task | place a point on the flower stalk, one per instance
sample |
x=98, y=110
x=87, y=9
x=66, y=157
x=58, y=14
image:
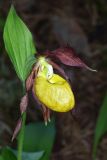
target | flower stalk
x=22, y=131
x=21, y=137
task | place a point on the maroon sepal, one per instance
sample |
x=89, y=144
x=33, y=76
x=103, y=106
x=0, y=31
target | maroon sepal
x=17, y=128
x=67, y=56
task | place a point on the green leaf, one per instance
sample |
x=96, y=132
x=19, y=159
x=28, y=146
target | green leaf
x=30, y=155
x=39, y=137
x=11, y=154
x=7, y=154
x=101, y=126
x=19, y=44
x=1, y=158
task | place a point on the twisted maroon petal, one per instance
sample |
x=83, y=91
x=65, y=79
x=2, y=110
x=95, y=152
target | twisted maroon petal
x=29, y=81
x=24, y=103
x=17, y=128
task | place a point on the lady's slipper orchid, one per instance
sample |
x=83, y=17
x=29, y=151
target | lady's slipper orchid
x=51, y=90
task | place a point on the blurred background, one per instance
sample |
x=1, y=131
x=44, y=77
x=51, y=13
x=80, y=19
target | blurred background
x=81, y=24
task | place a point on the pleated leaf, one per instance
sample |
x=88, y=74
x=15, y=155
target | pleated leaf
x=41, y=138
x=8, y=153
x=19, y=44
x=101, y=126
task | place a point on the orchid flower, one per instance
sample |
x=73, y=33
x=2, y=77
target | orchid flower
x=52, y=91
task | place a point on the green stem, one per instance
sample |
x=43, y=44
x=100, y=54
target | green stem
x=21, y=134
x=21, y=138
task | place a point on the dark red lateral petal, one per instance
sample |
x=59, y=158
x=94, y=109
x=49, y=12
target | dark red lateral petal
x=68, y=57
x=24, y=103
x=17, y=128
x=29, y=81
x=46, y=114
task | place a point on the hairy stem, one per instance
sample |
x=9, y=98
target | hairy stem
x=21, y=134
x=21, y=138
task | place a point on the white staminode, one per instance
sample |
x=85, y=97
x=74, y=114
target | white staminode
x=45, y=69
x=50, y=71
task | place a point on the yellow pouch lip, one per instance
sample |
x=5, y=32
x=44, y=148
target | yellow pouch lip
x=56, y=79
x=46, y=99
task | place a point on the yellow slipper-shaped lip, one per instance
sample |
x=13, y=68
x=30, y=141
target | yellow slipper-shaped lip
x=55, y=93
